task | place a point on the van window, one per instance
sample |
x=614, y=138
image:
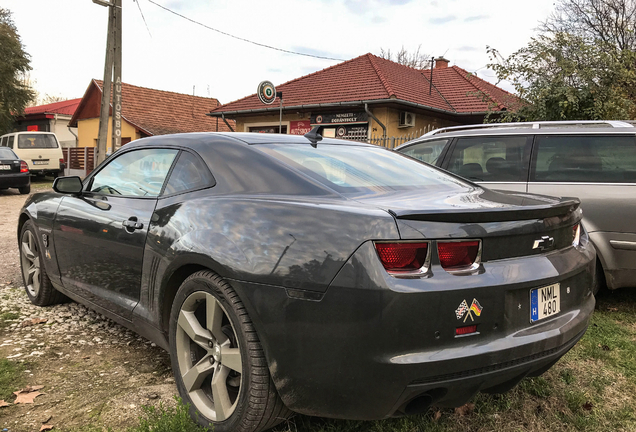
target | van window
x=10, y=143
x=3, y=141
x=428, y=151
x=597, y=159
x=491, y=159
x=36, y=141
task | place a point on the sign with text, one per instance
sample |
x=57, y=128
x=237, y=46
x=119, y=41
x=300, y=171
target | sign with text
x=339, y=118
x=299, y=127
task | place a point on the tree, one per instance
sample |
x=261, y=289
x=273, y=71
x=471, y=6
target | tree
x=579, y=67
x=14, y=63
x=414, y=59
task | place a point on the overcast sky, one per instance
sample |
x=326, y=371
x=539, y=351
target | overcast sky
x=67, y=38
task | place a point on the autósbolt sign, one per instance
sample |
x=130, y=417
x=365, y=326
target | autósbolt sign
x=339, y=118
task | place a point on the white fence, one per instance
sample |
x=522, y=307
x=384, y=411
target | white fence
x=389, y=142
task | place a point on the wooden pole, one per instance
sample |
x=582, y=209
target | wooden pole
x=106, y=88
x=116, y=122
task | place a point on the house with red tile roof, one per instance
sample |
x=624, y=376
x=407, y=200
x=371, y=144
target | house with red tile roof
x=146, y=112
x=53, y=117
x=371, y=96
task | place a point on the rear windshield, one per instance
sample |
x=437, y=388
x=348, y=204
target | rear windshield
x=6, y=153
x=36, y=141
x=360, y=168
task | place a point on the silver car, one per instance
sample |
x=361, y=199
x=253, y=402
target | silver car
x=592, y=160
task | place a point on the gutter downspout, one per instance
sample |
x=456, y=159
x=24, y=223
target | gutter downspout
x=366, y=108
x=228, y=125
x=74, y=134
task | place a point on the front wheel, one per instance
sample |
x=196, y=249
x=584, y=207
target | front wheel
x=218, y=361
x=36, y=282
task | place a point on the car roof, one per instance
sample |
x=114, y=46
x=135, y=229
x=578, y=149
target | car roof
x=250, y=138
x=530, y=128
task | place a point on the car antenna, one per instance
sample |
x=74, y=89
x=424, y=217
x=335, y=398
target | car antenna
x=314, y=136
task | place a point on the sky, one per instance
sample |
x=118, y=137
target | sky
x=67, y=39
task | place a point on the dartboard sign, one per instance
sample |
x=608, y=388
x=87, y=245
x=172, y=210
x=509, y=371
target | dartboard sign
x=266, y=92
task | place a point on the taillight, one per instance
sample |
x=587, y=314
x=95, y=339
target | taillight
x=61, y=161
x=576, y=234
x=461, y=331
x=460, y=255
x=24, y=167
x=404, y=257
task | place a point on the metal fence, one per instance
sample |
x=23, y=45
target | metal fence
x=388, y=142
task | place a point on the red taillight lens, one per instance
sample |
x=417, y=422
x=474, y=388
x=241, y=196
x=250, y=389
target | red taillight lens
x=402, y=257
x=61, y=161
x=459, y=331
x=576, y=234
x=457, y=254
x=24, y=167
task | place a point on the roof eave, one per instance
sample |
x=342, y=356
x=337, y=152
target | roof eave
x=275, y=109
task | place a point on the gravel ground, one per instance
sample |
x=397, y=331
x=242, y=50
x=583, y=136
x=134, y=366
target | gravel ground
x=93, y=370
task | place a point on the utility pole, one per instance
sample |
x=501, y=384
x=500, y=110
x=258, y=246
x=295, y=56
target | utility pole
x=116, y=141
x=112, y=65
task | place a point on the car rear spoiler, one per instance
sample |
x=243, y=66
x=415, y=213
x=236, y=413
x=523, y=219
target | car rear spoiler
x=563, y=208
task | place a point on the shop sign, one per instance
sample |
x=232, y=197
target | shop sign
x=299, y=127
x=352, y=131
x=340, y=118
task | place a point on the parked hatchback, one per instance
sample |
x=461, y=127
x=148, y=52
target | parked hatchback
x=40, y=150
x=594, y=161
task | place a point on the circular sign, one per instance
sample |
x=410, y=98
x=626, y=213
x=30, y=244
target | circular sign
x=341, y=131
x=319, y=119
x=266, y=92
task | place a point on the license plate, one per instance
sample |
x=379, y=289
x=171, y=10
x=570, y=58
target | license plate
x=5, y=167
x=545, y=302
x=40, y=162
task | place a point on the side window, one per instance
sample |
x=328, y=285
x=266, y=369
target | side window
x=428, y=151
x=591, y=158
x=491, y=159
x=10, y=142
x=189, y=173
x=136, y=173
x=3, y=141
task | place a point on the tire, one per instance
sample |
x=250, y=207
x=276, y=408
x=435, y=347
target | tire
x=599, y=278
x=225, y=363
x=37, y=284
x=25, y=189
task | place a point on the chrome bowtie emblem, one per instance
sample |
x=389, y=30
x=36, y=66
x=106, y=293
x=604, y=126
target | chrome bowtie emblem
x=545, y=242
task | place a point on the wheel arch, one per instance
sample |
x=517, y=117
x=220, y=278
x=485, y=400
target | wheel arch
x=24, y=217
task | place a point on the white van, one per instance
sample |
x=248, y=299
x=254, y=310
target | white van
x=40, y=150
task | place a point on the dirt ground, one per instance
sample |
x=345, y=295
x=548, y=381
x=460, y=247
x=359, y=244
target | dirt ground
x=93, y=370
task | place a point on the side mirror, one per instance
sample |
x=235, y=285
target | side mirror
x=68, y=185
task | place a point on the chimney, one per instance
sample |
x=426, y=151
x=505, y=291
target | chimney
x=441, y=63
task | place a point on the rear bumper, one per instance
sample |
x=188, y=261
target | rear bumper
x=374, y=346
x=15, y=180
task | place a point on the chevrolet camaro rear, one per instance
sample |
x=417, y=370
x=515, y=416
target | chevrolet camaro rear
x=323, y=277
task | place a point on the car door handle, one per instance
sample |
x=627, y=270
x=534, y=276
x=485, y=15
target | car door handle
x=132, y=224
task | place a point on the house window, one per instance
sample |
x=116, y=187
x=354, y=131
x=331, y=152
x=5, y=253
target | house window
x=125, y=140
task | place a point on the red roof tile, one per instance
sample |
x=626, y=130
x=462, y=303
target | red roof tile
x=159, y=112
x=66, y=107
x=369, y=77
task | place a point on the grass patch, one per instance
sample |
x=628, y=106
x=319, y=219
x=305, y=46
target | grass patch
x=170, y=419
x=7, y=317
x=10, y=378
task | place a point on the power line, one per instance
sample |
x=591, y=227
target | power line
x=243, y=39
x=143, y=17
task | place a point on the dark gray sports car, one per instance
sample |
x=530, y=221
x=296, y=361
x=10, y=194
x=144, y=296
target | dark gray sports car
x=330, y=278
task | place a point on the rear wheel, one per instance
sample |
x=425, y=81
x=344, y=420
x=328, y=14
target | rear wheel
x=218, y=361
x=36, y=282
x=25, y=189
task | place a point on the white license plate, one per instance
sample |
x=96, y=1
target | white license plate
x=5, y=167
x=545, y=302
x=40, y=162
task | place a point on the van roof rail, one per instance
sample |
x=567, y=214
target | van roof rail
x=534, y=125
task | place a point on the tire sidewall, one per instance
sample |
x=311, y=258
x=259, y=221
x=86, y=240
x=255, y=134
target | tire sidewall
x=202, y=283
x=28, y=225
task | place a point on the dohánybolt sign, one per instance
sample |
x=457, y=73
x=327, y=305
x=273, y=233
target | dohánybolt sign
x=266, y=92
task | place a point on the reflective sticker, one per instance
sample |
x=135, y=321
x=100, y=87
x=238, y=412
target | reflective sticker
x=48, y=254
